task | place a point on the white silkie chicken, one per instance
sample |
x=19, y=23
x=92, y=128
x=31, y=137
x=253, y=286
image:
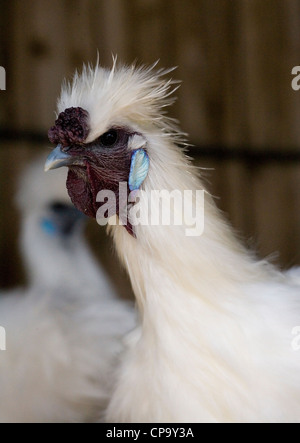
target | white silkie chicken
x=216, y=323
x=64, y=332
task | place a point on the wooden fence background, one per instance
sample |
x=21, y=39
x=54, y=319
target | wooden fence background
x=235, y=59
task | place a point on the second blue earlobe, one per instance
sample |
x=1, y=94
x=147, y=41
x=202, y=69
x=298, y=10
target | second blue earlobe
x=138, y=168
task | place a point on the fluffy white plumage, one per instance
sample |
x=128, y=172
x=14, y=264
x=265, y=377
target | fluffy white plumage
x=64, y=333
x=294, y=275
x=215, y=337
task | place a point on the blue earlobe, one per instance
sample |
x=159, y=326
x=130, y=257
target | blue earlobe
x=48, y=227
x=138, y=169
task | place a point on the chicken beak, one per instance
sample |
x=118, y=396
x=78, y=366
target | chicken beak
x=57, y=158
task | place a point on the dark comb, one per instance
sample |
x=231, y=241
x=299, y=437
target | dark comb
x=71, y=127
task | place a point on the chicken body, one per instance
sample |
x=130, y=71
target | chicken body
x=64, y=332
x=215, y=339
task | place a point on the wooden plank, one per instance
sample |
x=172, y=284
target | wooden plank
x=276, y=215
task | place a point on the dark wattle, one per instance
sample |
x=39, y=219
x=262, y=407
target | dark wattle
x=101, y=169
x=84, y=184
x=80, y=194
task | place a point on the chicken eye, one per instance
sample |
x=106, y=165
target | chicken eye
x=109, y=138
x=58, y=207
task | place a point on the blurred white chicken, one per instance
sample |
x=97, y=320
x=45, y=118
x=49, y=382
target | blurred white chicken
x=216, y=329
x=293, y=275
x=63, y=333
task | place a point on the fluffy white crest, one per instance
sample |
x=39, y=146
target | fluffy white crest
x=124, y=95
